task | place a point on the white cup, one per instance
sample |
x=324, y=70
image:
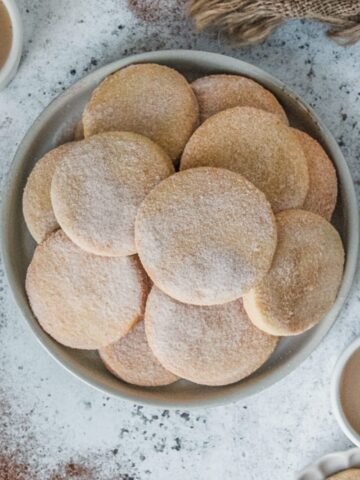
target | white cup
x=340, y=416
x=9, y=69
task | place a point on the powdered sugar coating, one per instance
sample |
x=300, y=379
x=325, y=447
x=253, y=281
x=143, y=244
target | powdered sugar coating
x=304, y=278
x=209, y=345
x=255, y=144
x=99, y=185
x=38, y=212
x=322, y=194
x=132, y=360
x=205, y=236
x=220, y=92
x=153, y=100
x=83, y=300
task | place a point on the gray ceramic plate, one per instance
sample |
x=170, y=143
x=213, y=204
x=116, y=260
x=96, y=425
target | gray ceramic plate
x=56, y=124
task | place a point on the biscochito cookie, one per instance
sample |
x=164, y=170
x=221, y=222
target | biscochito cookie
x=99, y=185
x=83, y=300
x=351, y=474
x=322, y=194
x=220, y=92
x=150, y=99
x=132, y=360
x=304, y=278
x=205, y=236
x=212, y=345
x=257, y=145
x=37, y=208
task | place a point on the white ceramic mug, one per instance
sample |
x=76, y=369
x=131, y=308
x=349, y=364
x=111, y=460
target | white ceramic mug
x=336, y=393
x=9, y=69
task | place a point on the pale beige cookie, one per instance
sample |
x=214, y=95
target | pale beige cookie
x=322, y=194
x=304, y=278
x=84, y=300
x=256, y=144
x=220, y=92
x=132, y=360
x=209, y=345
x=205, y=236
x=37, y=209
x=99, y=185
x=154, y=100
x=351, y=474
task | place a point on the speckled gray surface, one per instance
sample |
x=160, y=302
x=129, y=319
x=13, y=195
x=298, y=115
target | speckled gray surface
x=51, y=425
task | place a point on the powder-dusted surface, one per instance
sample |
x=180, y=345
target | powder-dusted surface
x=150, y=99
x=322, y=194
x=99, y=185
x=205, y=236
x=219, y=92
x=131, y=359
x=350, y=391
x=256, y=144
x=54, y=419
x=84, y=300
x=154, y=11
x=37, y=208
x=210, y=345
x=304, y=278
x=352, y=474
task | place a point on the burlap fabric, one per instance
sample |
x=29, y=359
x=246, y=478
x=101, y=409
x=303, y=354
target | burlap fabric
x=251, y=21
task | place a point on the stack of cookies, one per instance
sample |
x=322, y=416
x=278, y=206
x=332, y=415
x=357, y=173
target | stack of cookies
x=186, y=232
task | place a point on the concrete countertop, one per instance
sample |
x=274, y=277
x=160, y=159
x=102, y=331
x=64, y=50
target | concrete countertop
x=51, y=425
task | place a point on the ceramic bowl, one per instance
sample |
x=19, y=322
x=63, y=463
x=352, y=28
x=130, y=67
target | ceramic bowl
x=9, y=69
x=56, y=125
x=335, y=392
x=330, y=465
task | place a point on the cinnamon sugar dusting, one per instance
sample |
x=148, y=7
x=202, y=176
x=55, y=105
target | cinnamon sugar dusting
x=75, y=471
x=22, y=457
x=12, y=469
x=153, y=11
x=13, y=466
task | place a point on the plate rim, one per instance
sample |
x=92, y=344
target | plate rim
x=224, y=397
x=315, y=470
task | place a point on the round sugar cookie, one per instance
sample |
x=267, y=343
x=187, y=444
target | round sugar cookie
x=205, y=236
x=154, y=100
x=220, y=92
x=99, y=185
x=322, y=194
x=38, y=212
x=209, y=345
x=84, y=300
x=351, y=474
x=132, y=360
x=304, y=278
x=255, y=144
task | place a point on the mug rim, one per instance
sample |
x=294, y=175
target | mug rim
x=337, y=408
x=9, y=69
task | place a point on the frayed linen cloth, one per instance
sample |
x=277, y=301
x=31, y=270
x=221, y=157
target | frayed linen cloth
x=251, y=21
